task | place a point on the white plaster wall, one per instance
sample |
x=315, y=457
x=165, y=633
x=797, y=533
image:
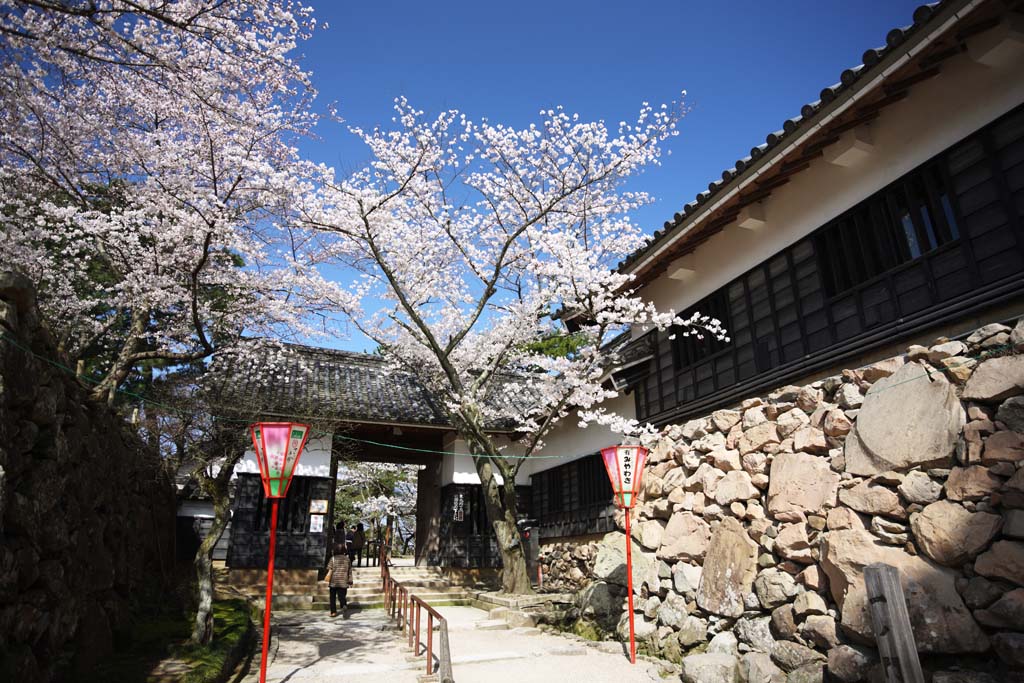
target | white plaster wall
x=566, y=440
x=458, y=468
x=569, y=442
x=196, y=508
x=315, y=460
x=939, y=112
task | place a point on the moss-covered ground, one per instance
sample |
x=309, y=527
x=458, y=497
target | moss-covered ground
x=156, y=649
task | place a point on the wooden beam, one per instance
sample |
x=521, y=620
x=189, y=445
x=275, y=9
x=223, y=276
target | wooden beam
x=891, y=624
x=880, y=104
x=941, y=56
x=974, y=29
x=820, y=144
x=904, y=83
x=785, y=173
x=852, y=123
x=755, y=196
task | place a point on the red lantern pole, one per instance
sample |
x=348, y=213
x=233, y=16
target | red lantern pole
x=625, y=466
x=629, y=584
x=270, y=590
x=278, y=446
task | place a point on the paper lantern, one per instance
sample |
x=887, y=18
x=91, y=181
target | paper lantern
x=278, y=448
x=625, y=465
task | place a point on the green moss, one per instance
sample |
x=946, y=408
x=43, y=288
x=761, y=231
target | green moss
x=587, y=629
x=140, y=648
x=231, y=627
x=157, y=636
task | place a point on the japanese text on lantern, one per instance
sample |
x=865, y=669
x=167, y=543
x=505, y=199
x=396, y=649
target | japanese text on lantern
x=626, y=461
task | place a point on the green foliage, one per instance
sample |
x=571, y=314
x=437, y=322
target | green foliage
x=558, y=345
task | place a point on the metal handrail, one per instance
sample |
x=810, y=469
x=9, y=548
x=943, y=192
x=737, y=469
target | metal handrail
x=404, y=607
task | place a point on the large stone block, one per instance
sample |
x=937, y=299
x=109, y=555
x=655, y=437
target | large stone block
x=729, y=569
x=686, y=538
x=940, y=620
x=971, y=483
x=801, y=484
x=950, y=534
x=910, y=418
x=735, y=486
x=610, y=563
x=710, y=668
x=757, y=437
x=996, y=379
x=872, y=498
x=1004, y=560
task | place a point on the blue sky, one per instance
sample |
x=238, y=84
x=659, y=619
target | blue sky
x=747, y=66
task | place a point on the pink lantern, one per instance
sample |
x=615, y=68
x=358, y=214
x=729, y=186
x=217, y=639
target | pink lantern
x=278, y=448
x=625, y=465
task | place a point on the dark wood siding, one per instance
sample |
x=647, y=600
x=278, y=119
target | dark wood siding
x=940, y=242
x=470, y=542
x=573, y=499
x=297, y=548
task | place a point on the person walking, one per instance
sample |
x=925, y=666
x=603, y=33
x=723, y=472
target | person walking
x=358, y=542
x=339, y=577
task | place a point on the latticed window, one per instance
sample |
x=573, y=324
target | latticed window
x=944, y=239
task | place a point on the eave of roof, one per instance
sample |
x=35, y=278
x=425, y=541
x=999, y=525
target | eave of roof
x=890, y=67
x=343, y=387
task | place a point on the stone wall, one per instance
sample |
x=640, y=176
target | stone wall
x=86, y=516
x=756, y=524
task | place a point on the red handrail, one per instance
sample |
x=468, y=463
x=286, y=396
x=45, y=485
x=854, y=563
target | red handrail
x=401, y=605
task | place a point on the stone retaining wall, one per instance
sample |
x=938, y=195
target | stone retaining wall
x=86, y=514
x=756, y=523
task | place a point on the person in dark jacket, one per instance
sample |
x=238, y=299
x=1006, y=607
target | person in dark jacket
x=339, y=577
x=358, y=543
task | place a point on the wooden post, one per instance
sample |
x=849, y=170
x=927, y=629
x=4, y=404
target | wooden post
x=891, y=624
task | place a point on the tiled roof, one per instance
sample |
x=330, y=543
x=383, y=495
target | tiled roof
x=810, y=113
x=337, y=385
x=343, y=386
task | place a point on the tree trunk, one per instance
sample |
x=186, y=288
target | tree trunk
x=231, y=443
x=502, y=512
x=202, y=630
x=106, y=390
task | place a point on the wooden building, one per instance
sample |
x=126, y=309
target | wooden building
x=887, y=212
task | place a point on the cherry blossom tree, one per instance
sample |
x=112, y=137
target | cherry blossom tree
x=472, y=242
x=146, y=150
x=374, y=492
x=146, y=157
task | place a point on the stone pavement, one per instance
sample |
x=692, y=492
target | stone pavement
x=310, y=646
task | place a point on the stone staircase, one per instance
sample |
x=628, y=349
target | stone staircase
x=427, y=583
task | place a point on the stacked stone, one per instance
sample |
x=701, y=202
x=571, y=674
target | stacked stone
x=86, y=511
x=756, y=523
x=565, y=565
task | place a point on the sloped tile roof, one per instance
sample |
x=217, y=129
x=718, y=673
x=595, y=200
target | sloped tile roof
x=347, y=387
x=338, y=385
x=808, y=116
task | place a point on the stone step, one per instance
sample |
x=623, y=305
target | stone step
x=520, y=619
x=434, y=601
x=492, y=625
x=415, y=589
